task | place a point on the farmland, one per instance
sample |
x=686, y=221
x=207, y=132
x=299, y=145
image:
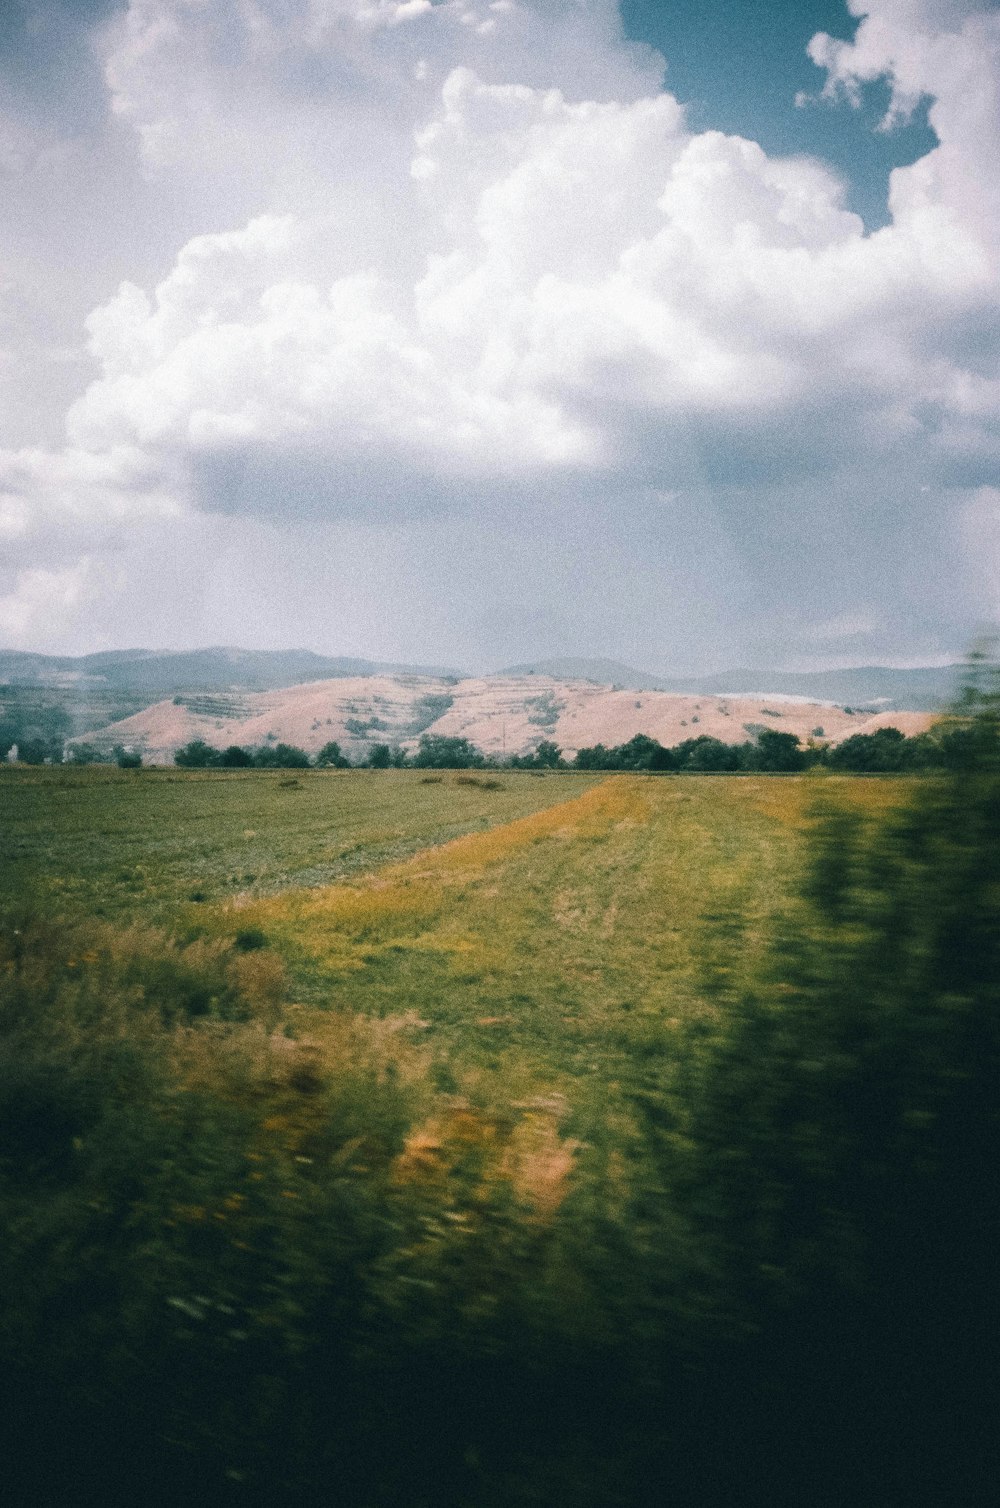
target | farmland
x=542, y=926
x=365, y=1106
x=137, y=845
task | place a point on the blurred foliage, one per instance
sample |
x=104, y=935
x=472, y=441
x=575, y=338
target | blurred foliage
x=844, y=1131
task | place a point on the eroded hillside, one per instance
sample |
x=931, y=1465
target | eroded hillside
x=502, y=715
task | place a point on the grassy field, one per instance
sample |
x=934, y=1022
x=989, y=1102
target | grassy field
x=137, y=844
x=521, y=940
x=557, y=920
x=348, y=1108
x=556, y=947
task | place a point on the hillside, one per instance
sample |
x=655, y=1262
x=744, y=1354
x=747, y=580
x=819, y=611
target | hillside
x=500, y=714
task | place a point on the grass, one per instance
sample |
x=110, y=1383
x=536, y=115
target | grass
x=374, y=1140
x=559, y=944
x=548, y=933
x=137, y=844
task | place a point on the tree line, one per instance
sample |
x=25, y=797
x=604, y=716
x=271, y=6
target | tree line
x=885, y=751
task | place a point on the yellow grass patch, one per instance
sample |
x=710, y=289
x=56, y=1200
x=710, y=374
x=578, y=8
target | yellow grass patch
x=408, y=901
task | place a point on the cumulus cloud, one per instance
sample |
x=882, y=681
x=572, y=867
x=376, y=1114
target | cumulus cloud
x=478, y=253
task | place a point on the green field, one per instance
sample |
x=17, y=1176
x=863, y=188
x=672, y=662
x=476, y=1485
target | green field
x=539, y=926
x=465, y=1140
x=137, y=843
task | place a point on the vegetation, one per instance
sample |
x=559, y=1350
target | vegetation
x=38, y=720
x=436, y=752
x=886, y=751
x=633, y=1143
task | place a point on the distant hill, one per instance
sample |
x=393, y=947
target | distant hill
x=153, y=674
x=923, y=688
x=602, y=672
x=881, y=687
x=499, y=714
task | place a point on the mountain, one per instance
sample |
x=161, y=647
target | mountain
x=154, y=674
x=924, y=687
x=881, y=687
x=602, y=672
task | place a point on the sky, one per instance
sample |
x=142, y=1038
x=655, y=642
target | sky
x=476, y=331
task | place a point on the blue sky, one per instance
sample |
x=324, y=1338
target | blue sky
x=479, y=330
x=740, y=65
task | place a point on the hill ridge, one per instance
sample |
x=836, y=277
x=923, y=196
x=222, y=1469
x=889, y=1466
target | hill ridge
x=500, y=714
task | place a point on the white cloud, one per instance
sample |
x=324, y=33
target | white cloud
x=478, y=251
x=589, y=265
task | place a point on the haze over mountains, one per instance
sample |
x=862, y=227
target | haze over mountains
x=153, y=674
x=156, y=702
x=158, y=672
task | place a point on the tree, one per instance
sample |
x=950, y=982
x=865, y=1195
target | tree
x=705, y=755
x=386, y=757
x=777, y=752
x=235, y=758
x=281, y=757
x=881, y=752
x=84, y=753
x=38, y=751
x=331, y=758
x=548, y=756
x=596, y=757
x=196, y=755
x=437, y=752
x=640, y=753
x=127, y=759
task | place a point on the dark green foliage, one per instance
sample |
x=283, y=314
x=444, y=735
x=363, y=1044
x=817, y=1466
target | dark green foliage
x=844, y=1131
x=428, y=709
x=779, y=753
x=127, y=759
x=386, y=757
x=39, y=751
x=36, y=722
x=596, y=757
x=437, y=752
x=547, y=756
x=196, y=755
x=706, y=755
x=86, y=753
x=235, y=758
x=640, y=753
x=886, y=751
x=281, y=757
x=331, y=758
x=882, y=752
x=361, y=729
